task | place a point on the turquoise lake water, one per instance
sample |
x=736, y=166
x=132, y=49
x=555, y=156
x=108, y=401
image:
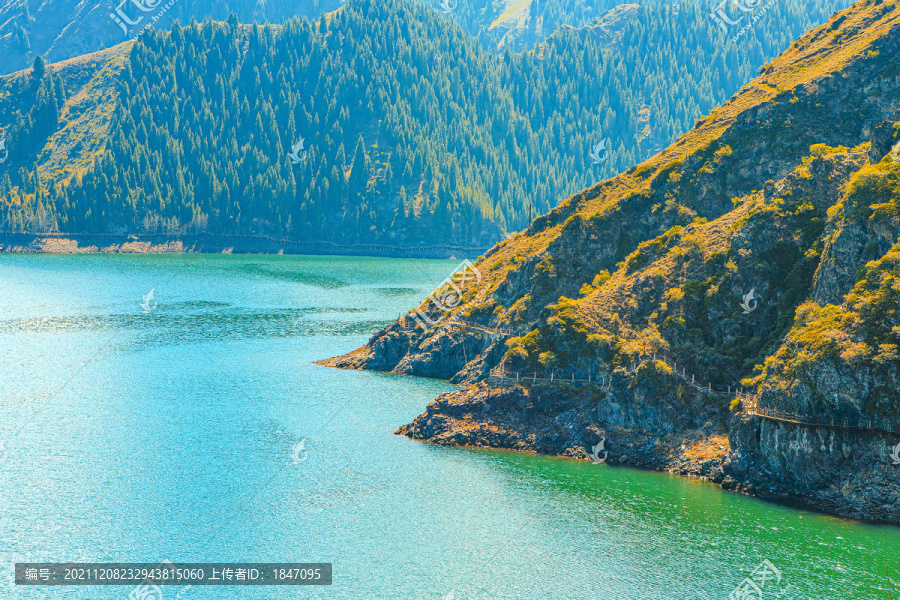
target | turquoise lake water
x=170, y=434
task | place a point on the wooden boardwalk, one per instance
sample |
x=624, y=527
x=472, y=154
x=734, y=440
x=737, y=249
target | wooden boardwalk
x=496, y=333
x=830, y=422
x=749, y=402
x=501, y=375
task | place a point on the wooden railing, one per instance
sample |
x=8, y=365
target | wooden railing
x=499, y=374
x=749, y=402
x=832, y=422
x=461, y=322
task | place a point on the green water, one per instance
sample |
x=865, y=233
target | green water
x=169, y=435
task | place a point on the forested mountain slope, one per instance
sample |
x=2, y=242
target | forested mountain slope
x=759, y=250
x=63, y=29
x=518, y=25
x=408, y=126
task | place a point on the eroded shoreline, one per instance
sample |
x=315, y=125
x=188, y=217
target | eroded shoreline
x=641, y=426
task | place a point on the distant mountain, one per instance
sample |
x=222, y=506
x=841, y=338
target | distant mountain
x=759, y=251
x=64, y=29
x=408, y=126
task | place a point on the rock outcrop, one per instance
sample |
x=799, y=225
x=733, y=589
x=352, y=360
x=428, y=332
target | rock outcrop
x=760, y=250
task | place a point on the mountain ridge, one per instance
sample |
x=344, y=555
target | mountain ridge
x=452, y=139
x=658, y=258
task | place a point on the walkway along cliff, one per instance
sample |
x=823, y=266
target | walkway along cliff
x=758, y=254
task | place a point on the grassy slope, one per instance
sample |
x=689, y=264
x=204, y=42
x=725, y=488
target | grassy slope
x=824, y=52
x=91, y=84
x=842, y=359
x=786, y=186
x=91, y=88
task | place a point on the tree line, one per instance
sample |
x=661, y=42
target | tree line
x=412, y=132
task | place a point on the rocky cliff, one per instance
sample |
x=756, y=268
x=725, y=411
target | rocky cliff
x=758, y=251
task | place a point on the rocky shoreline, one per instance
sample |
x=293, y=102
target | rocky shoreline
x=526, y=420
x=759, y=251
x=841, y=472
x=565, y=422
x=645, y=418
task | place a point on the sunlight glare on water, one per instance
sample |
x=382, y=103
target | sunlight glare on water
x=171, y=431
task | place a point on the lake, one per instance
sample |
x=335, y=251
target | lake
x=171, y=431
